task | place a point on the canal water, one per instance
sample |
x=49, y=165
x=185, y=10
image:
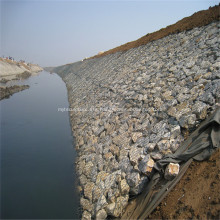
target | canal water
x=38, y=179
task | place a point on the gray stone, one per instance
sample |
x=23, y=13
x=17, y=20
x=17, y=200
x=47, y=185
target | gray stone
x=125, y=165
x=175, y=131
x=101, y=203
x=120, y=140
x=187, y=121
x=156, y=155
x=86, y=205
x=86, y=216
x=133, y=179
x=110, y=180
x=88, y=190
x=171, y=171
x=200, y=109
x=135, y=136
x=110, y=209
x=124, y=187
x=98, y=130
x=150, y=147
x=135, y=155
x=142, y=142
x=120, y=205
x=101, y=215
x=146, y=165
x=137, y=189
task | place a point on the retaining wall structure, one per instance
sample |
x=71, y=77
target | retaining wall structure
x=131, y=108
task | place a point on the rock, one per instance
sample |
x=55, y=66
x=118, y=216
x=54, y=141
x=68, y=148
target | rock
x=168, y=95
x=191, y=120
x=110, y=209
x=135, y=136
x=82, y=179
x=101, y=203
x=120, y=205
x=154, y=138
x=80, y=141
x=109, y=128
x=125, y=165
x=156, y=155
x=200, y=109
x=172, y=121
x=88, y=169
x=101, y=215
x=142, y=142
x=86, y=216
x=139, y=187
x=86, y=204
x=98, y=130
x=108, y=156
x=207, y=98
x=101, y=176
x=110, y=180
x=100, y=163
x=135, y=155
x=123, y=153
x=97, y=191
x=190, y=64
x=174, y=145
x=146, y=165
x=102, y=135
x=187, y=121
x=133, y=178
x=171, y=171
x=163, y=145
x=124, y=187
x=149, y=148
x=88, y=190
x=113, y=194
x=114, y=150
x=120, y=140
x=175, y=131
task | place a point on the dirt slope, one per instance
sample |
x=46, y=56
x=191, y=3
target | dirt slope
x=198, y=19
x=196, y=196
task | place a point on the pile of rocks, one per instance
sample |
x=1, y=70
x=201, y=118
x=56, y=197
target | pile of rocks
x=129, y=109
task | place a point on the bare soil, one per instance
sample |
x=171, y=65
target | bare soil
x=198, y=19
x=197, y=195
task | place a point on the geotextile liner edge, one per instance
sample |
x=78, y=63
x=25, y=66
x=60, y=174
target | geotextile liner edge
x=200, y=145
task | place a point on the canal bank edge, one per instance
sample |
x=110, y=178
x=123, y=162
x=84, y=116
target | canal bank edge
x=131, y=108
x=13, y=70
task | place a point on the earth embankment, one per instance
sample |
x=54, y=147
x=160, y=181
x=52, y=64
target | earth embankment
x=129, y=109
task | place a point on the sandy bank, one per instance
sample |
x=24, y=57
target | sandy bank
x=12, y=70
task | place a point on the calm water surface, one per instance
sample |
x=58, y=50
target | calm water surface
x=37, y=155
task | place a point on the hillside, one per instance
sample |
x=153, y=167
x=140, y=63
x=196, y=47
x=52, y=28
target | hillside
x=198, y=19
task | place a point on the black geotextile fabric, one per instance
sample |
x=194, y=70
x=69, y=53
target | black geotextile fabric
x=199, y=146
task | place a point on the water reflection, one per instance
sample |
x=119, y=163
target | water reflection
x=37, y=156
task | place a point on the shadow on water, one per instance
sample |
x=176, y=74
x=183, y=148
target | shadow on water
x=38, y=179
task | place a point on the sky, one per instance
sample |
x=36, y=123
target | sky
x=53, y=33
